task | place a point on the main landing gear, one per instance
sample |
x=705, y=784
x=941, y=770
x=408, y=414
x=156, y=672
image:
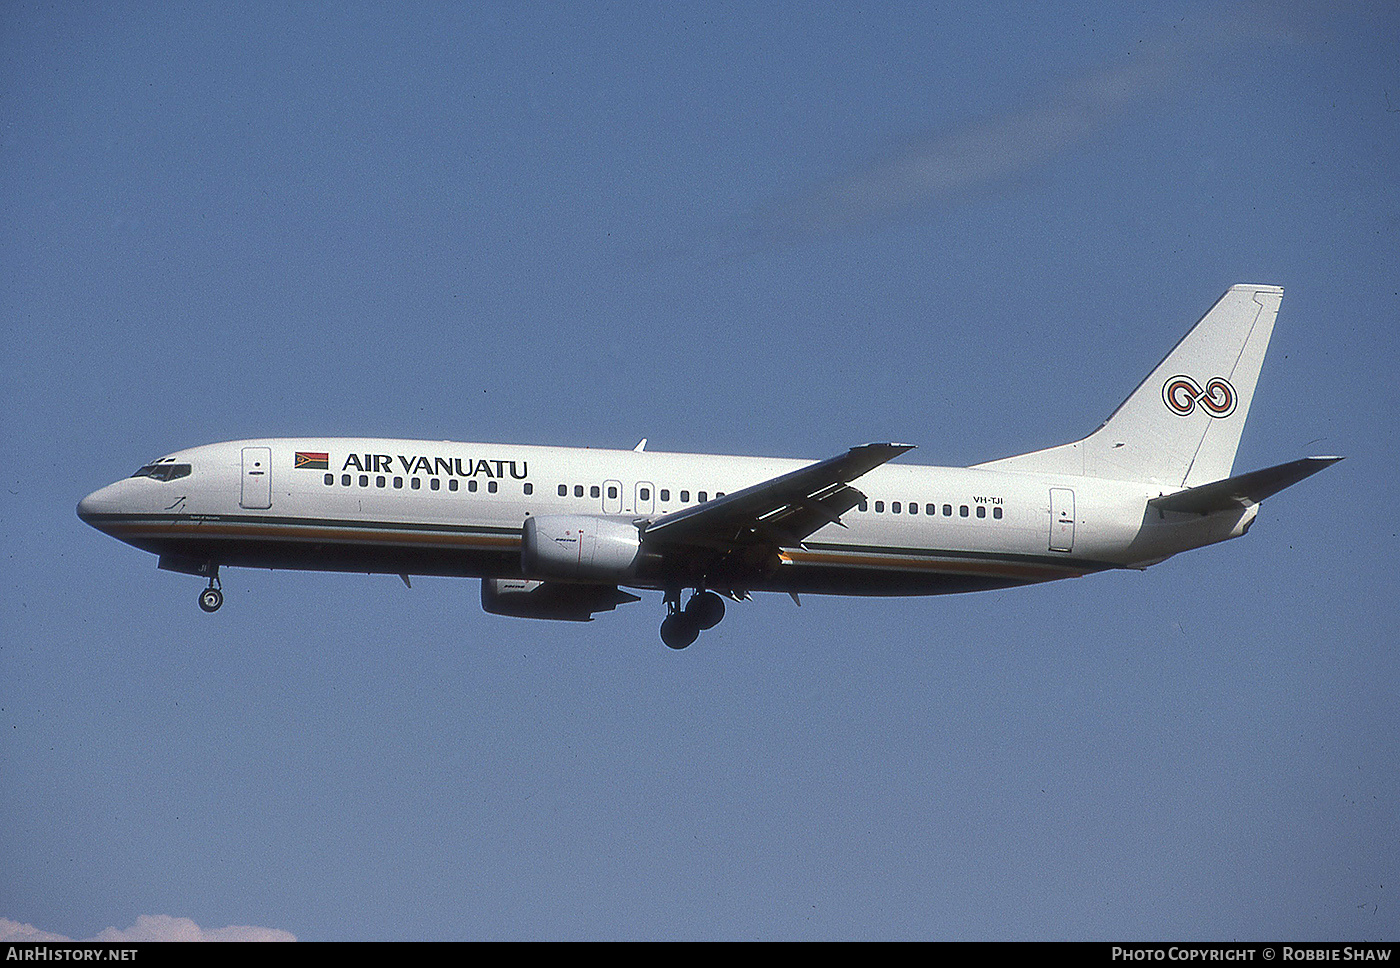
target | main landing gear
x=212, y=597
x=682, y=626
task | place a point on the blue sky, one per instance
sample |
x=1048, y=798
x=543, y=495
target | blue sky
x=759, y=229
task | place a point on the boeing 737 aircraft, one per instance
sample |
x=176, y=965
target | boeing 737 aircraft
x=558, y=532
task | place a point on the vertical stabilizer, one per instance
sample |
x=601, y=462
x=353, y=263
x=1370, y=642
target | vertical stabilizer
x=1182, y=425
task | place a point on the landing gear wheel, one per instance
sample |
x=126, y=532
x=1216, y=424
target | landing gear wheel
x=679, y=630
x=210, y=599
x=705, y=609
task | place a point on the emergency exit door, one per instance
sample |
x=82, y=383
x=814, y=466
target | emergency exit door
x=1061, y=519
x=612, y=497
x=257, y=478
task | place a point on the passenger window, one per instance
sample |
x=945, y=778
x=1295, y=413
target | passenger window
x=665, y=494
x=685, y=497
x=913, y=508
x=379, y=481
x=930, y=509
x=471, y=486
x=398, y=483
x=563, y=490
x=436, y=484
x=879, y=507
x=996, y=513
x=416, y=483
x=529, y=488
x=864, y=505
x=894, y=507
x=492, y=486
x=645, y=494
x=330, y=479
x=981, y=510
x=344, y=480
x=364, y=480
x=452, y=484
x=594, y=491
x=612, y=493
x=578, y=490
x=701, y=497
x=947, y=510
x=962, y=511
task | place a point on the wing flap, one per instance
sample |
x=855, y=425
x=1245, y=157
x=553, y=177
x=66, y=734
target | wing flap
x=793, y=522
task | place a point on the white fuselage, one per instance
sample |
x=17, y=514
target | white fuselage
x=415, y=507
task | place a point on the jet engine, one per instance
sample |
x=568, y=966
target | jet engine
x=557, y=600
x=580, y=547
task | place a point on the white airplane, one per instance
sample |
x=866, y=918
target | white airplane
x=557, y=532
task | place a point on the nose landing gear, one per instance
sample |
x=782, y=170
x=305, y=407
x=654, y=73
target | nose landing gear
x=682, y=626
x=212, y=597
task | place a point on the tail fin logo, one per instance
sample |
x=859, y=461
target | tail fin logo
x=1182, y=394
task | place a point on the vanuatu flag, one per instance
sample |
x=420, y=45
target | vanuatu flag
x=313, y=461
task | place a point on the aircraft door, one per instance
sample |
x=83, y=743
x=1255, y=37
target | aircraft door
x=1061, y=519
x=257, y=478
x=612, y=497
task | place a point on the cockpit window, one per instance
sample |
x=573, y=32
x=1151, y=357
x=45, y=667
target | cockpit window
x=164, y=472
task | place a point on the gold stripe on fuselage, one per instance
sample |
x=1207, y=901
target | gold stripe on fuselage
x=307, y=532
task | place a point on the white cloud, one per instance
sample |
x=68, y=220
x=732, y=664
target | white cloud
x=947, y=166
x=14, y=931
x=151, y=927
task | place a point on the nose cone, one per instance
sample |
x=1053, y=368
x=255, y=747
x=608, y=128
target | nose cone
x=99, y=503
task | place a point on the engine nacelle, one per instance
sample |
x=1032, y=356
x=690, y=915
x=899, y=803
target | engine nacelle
x=580, y=547
x=557, y=600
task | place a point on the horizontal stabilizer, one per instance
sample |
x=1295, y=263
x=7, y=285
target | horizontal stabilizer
x=1242, y=491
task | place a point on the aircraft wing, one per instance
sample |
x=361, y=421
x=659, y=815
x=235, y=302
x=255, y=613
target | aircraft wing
x=780, y=511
